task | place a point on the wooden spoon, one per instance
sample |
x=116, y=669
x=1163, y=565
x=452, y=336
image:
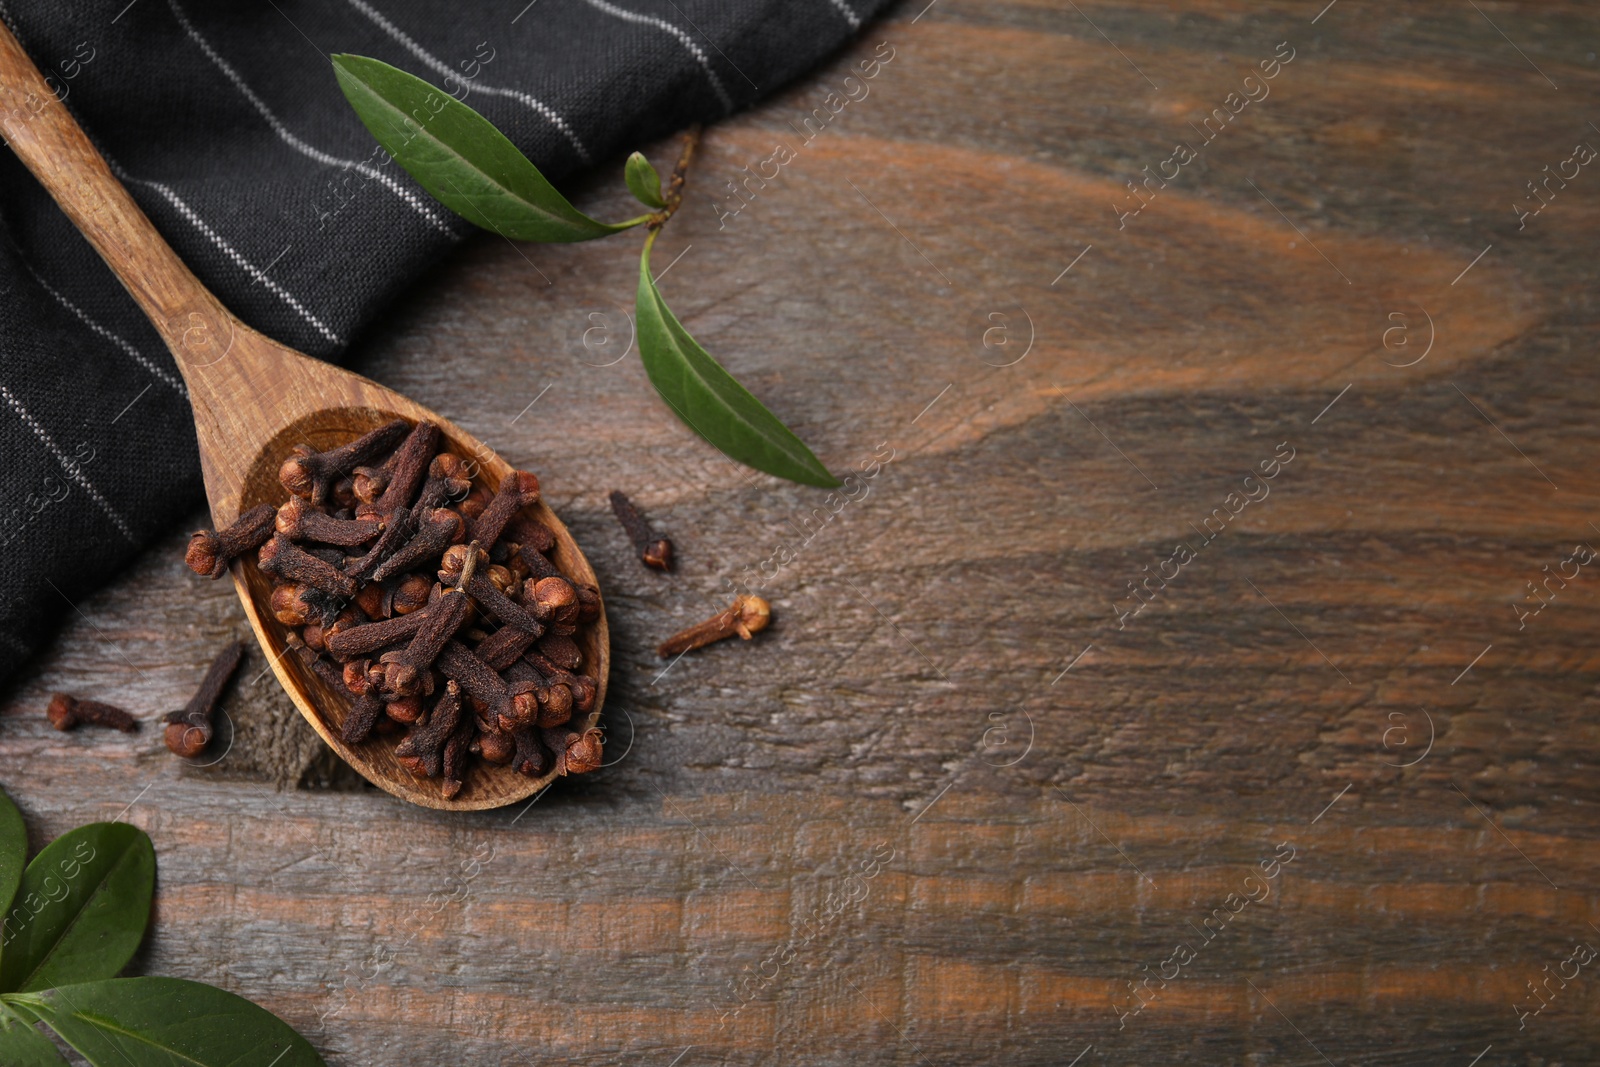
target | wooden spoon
x=253, y=400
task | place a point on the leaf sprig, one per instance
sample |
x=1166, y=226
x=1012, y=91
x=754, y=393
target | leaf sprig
x=473, y=169
x=74, y=917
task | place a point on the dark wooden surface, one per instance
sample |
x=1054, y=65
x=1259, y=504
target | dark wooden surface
x=1044, y=836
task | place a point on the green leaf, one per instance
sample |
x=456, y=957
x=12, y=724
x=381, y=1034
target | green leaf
x=13, y=851
x=168, y=1022
x=81, y=910
x=458, y=156
x=709, y=399
x=21, y=1045
x=643, y=181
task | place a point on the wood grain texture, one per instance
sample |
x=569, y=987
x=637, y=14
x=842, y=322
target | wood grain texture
x=1057, y=798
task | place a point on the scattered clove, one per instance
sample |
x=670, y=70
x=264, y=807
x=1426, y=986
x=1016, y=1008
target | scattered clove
x=66, y=712
x=654, y=550
x=189, y=731
x=210, y=553
x=747, y=615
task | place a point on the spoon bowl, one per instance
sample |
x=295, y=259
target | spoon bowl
x=253, y=400
x=365, y=408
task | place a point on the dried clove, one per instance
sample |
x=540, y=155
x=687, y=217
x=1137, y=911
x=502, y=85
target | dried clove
x=411, y=462
x=485, y=589
x=524, y=530
x=576, y=753
x=331, y=676
x=422, y=752
x=455, y=757
x=523, y=710
x=654, y=550
x=517, y=490
x=480, y=681
x=561, y=650
x=447, y=481
x=300, y=521
x=362, y=717
x=411, y=594
x=502, y=607
x=403, y=671
x=189, y=731
x=530, y=757
x=344, y=496
x=312, y=474
x=360, y=640
x=553, y=600
x=440, y=529
x=495, y=746
x=66, y=712
x=294, y=604
x=406, y=709
x=747, y=615
x=539, y=565
x=289, y=561
x=505, y=646
x=210, y=553
x=475, y=502
x=588, y=602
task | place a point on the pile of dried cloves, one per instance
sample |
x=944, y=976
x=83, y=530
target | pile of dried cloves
x=431, y=602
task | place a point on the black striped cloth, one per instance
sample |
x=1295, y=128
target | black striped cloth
x=225, y=122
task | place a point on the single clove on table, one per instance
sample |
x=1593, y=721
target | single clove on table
x=189, y=731
x=67, y=712
x=655, y=551
x=430, y=604
x=746, y=617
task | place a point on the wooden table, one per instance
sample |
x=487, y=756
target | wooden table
x=967, y=798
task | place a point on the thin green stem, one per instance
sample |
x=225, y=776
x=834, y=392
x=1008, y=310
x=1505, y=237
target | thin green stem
x=680, y=173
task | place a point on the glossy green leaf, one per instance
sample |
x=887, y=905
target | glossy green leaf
x=458, y=156
x=709, y=399
x=21, y=1044
x=168, y=1022
x=643, y=181
x=13, y=851
x=81, y=909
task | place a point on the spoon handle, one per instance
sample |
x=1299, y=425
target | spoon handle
x=54, y=147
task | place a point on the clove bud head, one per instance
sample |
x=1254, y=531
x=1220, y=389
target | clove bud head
x=296, y=475
x=204, y=555
x=552, y=599
x=657, y=554
x=582, y=752
x=411, y=594
x=187, y=739
x=495, y=746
